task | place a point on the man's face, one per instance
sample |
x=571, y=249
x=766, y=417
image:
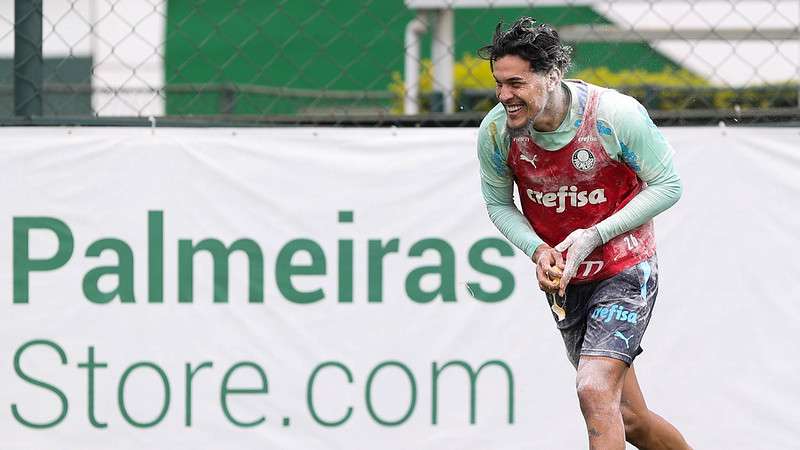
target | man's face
x=523, y=93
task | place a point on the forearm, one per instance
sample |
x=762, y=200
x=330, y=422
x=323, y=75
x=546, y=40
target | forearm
x=650, y=202
x=508, y=219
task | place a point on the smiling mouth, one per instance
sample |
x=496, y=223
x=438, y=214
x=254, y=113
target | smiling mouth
x=512, y=109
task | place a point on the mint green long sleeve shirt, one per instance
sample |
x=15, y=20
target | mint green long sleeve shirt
x=628, y=135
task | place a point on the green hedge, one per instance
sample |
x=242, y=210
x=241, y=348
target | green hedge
x=671, y=98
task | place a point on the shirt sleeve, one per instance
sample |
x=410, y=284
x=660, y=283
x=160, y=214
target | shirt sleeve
x=508, y=219
x=645, y=150
x=497, y=187
x=491, y=156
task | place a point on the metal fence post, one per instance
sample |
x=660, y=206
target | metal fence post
x=28, y=58
x=227, y=99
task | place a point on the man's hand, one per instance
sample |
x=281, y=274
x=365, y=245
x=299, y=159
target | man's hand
x=549, y=264
x=578, y=245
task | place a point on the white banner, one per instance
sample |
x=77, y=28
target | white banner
x=345, y=289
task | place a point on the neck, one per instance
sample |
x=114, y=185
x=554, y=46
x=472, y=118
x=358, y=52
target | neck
x=555, y=111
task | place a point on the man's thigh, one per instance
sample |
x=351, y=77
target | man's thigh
x=619, y=311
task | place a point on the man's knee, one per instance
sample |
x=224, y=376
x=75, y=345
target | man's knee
x=599, y=385
x=596, y=395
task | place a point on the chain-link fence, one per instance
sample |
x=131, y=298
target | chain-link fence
x=367, y=62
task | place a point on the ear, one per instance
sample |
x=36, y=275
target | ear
x=553, y=78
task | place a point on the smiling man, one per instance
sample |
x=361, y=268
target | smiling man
x=592, y=171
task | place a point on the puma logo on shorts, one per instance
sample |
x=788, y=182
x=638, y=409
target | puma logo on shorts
x=609, y=317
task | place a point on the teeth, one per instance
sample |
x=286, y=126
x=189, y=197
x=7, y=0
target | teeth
x=515, y=108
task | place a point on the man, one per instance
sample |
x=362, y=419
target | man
x=592, y=171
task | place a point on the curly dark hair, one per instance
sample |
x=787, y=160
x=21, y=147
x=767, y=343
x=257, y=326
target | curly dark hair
x=538, y=44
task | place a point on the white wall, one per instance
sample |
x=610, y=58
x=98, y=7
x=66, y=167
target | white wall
x=720, y=361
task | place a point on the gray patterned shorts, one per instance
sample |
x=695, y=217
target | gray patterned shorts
x=609, y=317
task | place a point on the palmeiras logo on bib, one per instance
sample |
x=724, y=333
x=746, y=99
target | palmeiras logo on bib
x=583, y=160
